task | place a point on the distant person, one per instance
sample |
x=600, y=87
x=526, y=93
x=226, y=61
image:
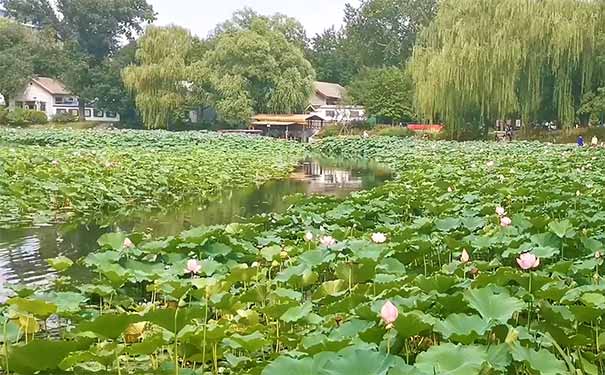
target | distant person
x=509, y=133
x=365, y=134
x=595, y=141
x=580, y=141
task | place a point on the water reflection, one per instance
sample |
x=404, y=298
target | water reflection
x=23, y=251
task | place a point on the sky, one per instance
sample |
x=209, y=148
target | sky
x=201, y=16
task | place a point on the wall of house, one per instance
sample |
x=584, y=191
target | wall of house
x=37, y=98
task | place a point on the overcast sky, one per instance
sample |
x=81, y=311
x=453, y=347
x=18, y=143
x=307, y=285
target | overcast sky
x=200, y=16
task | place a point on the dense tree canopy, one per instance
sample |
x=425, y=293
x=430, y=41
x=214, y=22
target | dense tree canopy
x=258, y=70
x=474, y=64
x=330, y=57
x=91, y=31
x=387, y=93
x=25, y=53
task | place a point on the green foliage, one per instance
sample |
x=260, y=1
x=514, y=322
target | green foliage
x=64, y=118
x=393, y=131
x=159, y=81
x=473, y=65
x=383, y=32
x=330, y=57
x=69, y=174
x=267, y=301
x=386, y=93
x=23, y=117
x=256, y=69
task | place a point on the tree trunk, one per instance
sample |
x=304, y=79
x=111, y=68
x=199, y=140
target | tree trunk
x=81, y=110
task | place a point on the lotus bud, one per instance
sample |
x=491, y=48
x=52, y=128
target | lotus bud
x=389, y=314
x=308, y=236
x=506, y=221
x=465, y=257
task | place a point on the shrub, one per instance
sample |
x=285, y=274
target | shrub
x=64, y=117
x=18, y=117
x=3, y=116
x=393, y=131
x=36, y=117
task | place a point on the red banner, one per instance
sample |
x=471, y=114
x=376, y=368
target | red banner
x=433, y=128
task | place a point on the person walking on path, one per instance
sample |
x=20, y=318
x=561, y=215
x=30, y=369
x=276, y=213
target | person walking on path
x=580, y=141
x=594, y=142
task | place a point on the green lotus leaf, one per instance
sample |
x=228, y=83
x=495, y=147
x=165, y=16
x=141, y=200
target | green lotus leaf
x=562, y=228
x=448, y=224
x=112, y=241
x=66, y=302
x=250, y=343
x=493, y=307
x=361, y=362
x=60, y=263
x=450, y=359
x=271, y=252
x=294, y=314
x=36, y=307
x=542, y=361
x=596, y=300
x=413, y=323
x=462, y=328
x=355, y=272
x=41, y=355
x=334, y=288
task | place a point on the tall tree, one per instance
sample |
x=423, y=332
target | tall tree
x=24, y=53
x=387, y=93
x=383, y=32
x=330, y=59
x=472, y=64
x=161, y=81
x=242, y=20
x=259, y=69
x=91, y=30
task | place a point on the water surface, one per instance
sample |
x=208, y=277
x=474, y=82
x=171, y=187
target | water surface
x=23, y=251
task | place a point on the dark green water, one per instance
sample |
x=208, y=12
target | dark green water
x=23, y=251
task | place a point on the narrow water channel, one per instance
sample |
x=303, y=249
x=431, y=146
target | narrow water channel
x=23, y=251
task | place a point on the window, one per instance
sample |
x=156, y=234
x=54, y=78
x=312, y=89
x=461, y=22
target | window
x=331, y=101
x=330, y=113
x=98, y=113
x=87, y=113
x=354, y=113
x=110, y=114
x=74, y=112
x=43, y=106
x=61, y=110
x=59, y=100
x=19, y=104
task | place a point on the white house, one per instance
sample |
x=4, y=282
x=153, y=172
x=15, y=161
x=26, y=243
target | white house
x=328, y=102
x=50, y=96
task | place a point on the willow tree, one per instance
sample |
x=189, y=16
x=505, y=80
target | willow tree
x=488, y=59
x=160, y=81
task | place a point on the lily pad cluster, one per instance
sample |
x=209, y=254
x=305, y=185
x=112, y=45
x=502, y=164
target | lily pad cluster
x=51, y=176
x=421, y=276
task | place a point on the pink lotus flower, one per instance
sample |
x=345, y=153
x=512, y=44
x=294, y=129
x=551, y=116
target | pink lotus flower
x=500, y=211
x=506, y=221
x=379, y=238
x=193, y=267
x=309, y=237
x=465, y=257
x=528, y=261
x=327, y=241
x=389, y=314
x=128, y=244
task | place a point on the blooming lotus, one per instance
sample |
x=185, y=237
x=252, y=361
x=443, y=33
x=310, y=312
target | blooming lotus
x=309, y=237
x=500, y=211
x=327, y=241
x=506, y=221
x=389, y=314
x=450, y=190
x=490, y=164
x=379, y=238
x=528, y=261
x=193, y=267
x=128, y=244
x=465, y=257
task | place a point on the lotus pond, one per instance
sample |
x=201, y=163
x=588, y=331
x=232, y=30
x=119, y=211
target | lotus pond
x=478, y=258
